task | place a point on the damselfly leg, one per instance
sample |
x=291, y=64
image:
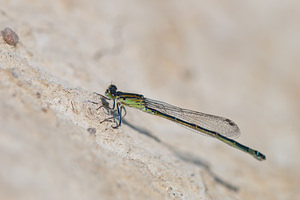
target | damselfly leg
x=111, y=111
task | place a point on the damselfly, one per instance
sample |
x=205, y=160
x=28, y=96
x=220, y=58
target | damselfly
x=218, y=127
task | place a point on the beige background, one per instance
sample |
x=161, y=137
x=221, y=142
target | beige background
x=230, y=58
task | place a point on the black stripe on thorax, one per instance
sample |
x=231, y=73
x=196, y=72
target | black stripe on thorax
x=125, y=95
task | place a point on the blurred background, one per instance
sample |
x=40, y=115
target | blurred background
x=230, y=58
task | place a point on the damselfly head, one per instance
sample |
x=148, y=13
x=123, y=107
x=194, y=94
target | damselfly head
x=111, y=91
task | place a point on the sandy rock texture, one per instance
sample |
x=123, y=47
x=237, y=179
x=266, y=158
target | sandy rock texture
x=235, y=59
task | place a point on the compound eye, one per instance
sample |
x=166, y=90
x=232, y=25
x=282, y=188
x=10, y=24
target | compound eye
x=113, y=87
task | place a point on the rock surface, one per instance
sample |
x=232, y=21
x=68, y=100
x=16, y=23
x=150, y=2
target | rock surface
x=233, y=59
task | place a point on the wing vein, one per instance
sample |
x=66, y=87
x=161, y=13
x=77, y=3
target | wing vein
x=214, y=123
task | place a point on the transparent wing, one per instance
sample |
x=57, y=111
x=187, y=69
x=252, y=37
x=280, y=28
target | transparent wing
x=214, y=123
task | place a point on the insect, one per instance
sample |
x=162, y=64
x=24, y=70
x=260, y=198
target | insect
x=218, y=127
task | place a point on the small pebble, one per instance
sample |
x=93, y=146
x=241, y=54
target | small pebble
x=10, y=37
x=92, y=131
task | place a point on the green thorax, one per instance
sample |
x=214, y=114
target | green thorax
x=130, y=99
